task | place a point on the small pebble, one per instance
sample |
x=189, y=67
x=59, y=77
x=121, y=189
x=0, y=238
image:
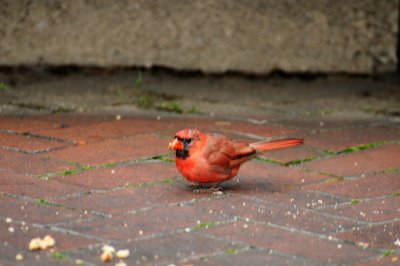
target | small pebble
x=122, y=254
x=108, y=248
x=106, y=256
x=19, y=257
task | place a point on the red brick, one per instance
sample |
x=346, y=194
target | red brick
x=28, y=164
x=146, y=223
x=105, y=178
x=28, y=144
x=371, y=211
x=100, y=131
x=175, y=248
x=257, y=171
x=380, y=261
x=253, y=257
x=20, y=237
x=306, y=199
x=66, y=120
x=290, y=242
x=314, y=222
x=370, y=186
x=25, y=124
x=32, y=212
x=379, y=236
x=337, y=140
x=114, y=150
x=34, y=187
x=280, y=214
x=121, y=201
x=8, y=253
x=358, y=163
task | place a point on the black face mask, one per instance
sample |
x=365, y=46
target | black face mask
x=183, y=154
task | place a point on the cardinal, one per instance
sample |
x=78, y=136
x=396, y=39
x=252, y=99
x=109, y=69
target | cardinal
x=213, y=158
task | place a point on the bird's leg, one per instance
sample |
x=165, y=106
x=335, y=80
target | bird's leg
x=198, y=188
x=195, y=186
x=216, y=187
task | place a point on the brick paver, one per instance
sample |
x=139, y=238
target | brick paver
x=92, y=180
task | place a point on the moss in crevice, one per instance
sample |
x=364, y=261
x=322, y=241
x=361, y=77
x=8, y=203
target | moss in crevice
x=301, y=161
x=203, y=226
x=363, y=147
x=262, y=159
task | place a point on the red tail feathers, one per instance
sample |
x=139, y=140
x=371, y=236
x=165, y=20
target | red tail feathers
x=276, y=144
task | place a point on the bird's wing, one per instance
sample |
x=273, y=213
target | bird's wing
x=243, y=153
x=228, y=154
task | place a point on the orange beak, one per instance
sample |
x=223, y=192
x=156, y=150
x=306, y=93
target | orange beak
x=176, y=145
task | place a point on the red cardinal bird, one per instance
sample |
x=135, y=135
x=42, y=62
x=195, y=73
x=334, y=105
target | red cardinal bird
x=213, y=158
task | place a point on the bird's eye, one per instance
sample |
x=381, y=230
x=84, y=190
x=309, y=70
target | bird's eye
x=188, y=141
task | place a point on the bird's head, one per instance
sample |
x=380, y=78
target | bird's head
x=186, y=142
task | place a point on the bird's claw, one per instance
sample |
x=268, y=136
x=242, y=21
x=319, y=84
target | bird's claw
x=213, y=190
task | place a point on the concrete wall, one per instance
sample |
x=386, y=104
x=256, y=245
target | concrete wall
x=256, y=36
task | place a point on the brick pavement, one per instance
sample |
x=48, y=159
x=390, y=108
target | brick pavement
x=90, y=181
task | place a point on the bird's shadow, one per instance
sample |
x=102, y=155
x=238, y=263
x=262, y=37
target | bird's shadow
x=241, y=185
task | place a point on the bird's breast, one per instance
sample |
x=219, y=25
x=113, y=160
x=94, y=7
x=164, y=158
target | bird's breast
x=186, y=167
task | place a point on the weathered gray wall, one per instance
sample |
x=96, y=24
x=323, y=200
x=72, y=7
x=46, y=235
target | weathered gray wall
x=257, y=36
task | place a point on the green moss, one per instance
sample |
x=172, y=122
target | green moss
x=334, y=179
x=139, y=80
x=145, y=101
x=193, y=110
x=3, y=86
x=168, y=181
x=203, y=226
x=58, y=255
x=170, y=106
x=58, y=110
x=363, y=147
x=267, y=160
x=388, y=252
x=164, y=158
x=231, y=251
x=45, y=202
x=300, y=161
x=104, y=165
x=392, y=170
x=76, y=170
x=355, y=201
x=396, y=194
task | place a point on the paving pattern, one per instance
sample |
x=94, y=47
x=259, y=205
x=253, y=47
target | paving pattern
x=92, y=180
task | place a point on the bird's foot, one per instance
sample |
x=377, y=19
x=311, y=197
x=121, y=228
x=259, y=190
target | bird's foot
x=217, y=191
x=201, y=190
x=212, y=190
